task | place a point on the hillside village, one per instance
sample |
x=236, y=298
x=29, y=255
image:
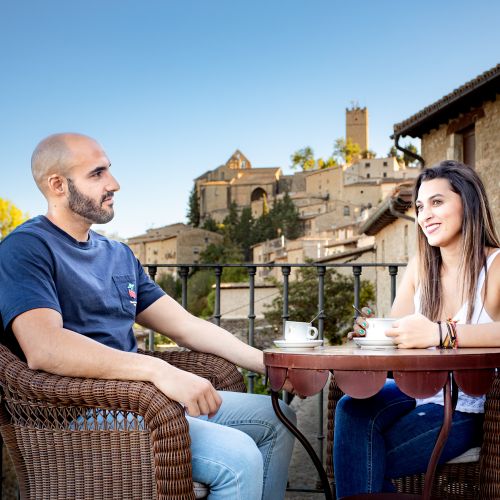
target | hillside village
x=358, y=212
x=331, y=202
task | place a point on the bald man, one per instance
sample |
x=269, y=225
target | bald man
x=69, y=298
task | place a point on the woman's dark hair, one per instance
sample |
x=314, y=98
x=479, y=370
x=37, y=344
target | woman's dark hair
x=478, y=233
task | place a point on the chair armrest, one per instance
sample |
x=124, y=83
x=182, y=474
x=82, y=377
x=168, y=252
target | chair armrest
x=222, y=374
x=35, y=402
x=334, y=394
x=489, y=475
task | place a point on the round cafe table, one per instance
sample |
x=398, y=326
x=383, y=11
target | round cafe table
x=361, y=373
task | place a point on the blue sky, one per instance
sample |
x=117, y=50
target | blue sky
x=171, y=89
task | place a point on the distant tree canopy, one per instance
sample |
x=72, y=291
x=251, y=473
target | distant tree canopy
x=303, y=301
x=193, y=213
x=304, y=158
x=407, y=158
x=10, y=217
x=346, y=150
x=241, y=230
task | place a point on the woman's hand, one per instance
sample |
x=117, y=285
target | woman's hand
x=360, y=325
x=414, y=331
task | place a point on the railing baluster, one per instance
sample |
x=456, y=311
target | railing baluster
x=183, y=273
x=321, y=320
x=217, y=314
x=393, y=271
x=285, y=270
x=356, y=271
x=152, y=270
x=251, y=320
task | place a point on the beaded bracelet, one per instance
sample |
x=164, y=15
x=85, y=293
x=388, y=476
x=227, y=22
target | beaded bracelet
x=440, y=335
x=451, y=339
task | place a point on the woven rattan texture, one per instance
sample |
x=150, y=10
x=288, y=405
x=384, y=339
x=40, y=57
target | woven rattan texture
x=139, y=449
x=453, y=481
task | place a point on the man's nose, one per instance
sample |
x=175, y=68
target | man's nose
x=113, y=184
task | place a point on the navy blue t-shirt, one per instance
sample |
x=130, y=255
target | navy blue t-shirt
x=98, y=286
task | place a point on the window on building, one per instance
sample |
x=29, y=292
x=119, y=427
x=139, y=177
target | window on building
x=196, y=250
x=385, y=164
x=347, y=211
x=367, y=164
x=367, y=176
x=469, y=145
x=385, y=174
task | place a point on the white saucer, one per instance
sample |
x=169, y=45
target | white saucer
x=374, y=343
x=290, y=344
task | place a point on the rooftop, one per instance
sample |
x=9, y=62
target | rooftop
x=462, y=100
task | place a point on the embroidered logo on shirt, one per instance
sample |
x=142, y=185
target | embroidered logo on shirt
x=132, y=294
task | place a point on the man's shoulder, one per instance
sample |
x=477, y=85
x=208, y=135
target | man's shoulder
x=32, y=230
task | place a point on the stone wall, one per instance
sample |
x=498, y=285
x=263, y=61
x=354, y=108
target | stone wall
x=488, y=154
x=438, y=145
x=394, y=244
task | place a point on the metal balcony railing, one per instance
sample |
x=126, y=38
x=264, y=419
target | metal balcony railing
x=183, y=271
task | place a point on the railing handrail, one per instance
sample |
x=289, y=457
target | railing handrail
x=284, y=264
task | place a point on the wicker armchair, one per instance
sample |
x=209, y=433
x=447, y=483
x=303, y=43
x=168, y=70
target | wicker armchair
x=58, y=454
x=453, y=481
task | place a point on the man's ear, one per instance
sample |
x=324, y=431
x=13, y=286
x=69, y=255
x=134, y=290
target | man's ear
x=56, y=184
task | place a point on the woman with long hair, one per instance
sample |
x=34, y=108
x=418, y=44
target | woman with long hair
x=449, y=297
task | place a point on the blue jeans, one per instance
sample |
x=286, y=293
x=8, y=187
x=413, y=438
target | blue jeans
x=386, y=437
x=242, y=453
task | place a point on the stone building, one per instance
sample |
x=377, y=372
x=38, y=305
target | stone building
x=393, y=227
x=236, y=181
x=172, y=244
x=463, y=125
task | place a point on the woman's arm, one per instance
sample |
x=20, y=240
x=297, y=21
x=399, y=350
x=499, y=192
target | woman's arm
x=403, y=303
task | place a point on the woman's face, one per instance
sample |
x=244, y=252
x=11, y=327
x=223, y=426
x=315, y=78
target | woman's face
x=439, y=213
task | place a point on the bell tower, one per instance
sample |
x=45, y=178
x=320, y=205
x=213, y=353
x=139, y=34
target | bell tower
x=356, y=126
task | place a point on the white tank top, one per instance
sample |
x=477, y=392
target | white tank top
x=465, y=403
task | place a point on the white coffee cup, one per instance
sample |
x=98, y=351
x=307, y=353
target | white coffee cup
x=299, y=331
x=377, y=327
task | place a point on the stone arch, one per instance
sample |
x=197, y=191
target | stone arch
x=258, y=200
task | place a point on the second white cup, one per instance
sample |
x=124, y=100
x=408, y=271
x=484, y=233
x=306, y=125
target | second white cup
x=299, y=331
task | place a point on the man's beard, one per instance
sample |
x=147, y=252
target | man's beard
x=86, y=207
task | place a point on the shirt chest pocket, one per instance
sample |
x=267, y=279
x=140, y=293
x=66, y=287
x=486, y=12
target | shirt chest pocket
x=126, y=288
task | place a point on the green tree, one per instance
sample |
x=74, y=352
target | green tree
x=285, y=219
x=346, y=150
x=170, y=285
x=211, y=225
x=303, y=301
x=408, y=159
x=304, y=158
x=394, y=153
x=193, y=214
x=10, y=217
x=367, y=154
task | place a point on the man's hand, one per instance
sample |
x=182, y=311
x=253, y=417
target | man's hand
x=195, y=393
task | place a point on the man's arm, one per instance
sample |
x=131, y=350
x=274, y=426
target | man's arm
x=166, y=316
x=48, y=346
